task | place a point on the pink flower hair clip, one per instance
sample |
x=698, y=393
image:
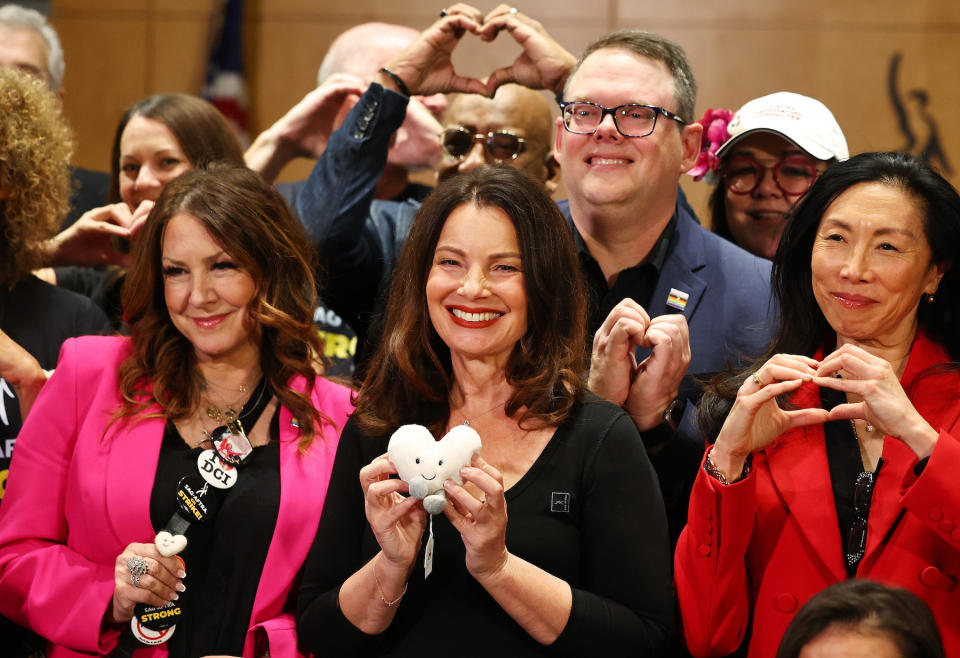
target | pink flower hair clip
x=715, y=133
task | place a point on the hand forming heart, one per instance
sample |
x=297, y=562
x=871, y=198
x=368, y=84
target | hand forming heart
x=647, y=388
x=425, y=66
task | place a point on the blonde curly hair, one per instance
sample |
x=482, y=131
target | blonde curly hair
x=35, y=149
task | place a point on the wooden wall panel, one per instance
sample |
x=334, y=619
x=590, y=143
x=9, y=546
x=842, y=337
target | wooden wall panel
x=105, y=73
x=179, y=61
x=839, y=52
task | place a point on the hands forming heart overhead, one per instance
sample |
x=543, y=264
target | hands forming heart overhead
x=647, y=388
x=425, y=66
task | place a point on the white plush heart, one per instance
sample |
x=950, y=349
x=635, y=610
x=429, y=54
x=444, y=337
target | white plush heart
x=169, y=545
x=424, y=463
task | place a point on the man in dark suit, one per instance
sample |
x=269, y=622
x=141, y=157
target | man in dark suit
x=29, y=42
x=673, y=304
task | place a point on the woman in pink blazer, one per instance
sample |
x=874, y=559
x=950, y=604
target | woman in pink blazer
x=853, y=473
x=118, y=523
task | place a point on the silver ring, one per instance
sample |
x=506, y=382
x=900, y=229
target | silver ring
x=513, y=10
x=443, y=13
x=756, y=379
x=137, y=566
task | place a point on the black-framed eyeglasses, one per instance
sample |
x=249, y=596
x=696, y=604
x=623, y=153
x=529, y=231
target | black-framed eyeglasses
x=794, y=174
x=634, y=120
x=857, y=535
x=500, y=145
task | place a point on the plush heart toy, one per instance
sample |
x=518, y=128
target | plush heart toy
x=424, y=463
x=169, y=545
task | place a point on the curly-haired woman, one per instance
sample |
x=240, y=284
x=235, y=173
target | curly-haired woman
x=35, y=317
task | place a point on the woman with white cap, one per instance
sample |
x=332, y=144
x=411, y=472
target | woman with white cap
x=763, y=160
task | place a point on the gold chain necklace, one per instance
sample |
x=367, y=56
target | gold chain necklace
x=229, y=413
x=229, y=416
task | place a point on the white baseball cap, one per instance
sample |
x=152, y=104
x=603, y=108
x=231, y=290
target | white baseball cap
x=803, y=120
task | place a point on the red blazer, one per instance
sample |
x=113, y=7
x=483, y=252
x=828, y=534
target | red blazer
x=76, y=497
x=765, y=545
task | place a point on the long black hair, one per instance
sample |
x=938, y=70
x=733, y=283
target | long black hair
x=803, y=327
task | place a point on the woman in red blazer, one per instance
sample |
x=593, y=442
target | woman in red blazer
x=184, y=468
x=835, y=456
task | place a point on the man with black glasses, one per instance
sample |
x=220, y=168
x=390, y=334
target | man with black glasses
x=667, y=292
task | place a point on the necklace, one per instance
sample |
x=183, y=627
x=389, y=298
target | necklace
x=229, y=413
x=466, y=421
x=229, y=418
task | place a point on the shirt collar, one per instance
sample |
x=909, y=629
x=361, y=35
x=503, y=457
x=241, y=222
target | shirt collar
x=656, y=257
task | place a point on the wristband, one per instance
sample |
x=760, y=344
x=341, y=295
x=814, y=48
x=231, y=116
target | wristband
x=396, y=80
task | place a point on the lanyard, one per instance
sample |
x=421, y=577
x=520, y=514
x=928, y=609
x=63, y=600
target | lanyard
x=218, y=467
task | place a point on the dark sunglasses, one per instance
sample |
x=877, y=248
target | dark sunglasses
x=500, y=146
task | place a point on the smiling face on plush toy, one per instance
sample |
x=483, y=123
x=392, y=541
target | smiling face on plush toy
x=425, y=463
x=420, y=458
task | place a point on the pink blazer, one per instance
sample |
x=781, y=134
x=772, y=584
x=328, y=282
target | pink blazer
x=768, y=543
x=76, y=498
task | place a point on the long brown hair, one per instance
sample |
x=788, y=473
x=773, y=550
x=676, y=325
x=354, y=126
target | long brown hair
x=203, y=133
x=410, y=377
x=252, y=223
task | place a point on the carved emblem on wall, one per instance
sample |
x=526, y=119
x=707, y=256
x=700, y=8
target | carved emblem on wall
x=918, y=127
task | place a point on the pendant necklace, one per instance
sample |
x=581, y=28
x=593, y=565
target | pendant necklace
x=229, y=413
x=466, y=420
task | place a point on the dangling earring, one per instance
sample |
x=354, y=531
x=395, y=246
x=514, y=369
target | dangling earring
x=928, y=298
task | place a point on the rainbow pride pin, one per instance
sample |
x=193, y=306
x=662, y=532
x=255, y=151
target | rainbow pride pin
x=677, y=299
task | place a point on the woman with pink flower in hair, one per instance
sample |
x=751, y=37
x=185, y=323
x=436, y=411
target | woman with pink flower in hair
x=762, y=159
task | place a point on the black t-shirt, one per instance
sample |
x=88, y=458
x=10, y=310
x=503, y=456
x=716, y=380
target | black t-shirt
x=637, y=282
x=588, y=511
x=103, y=284
x=39, y=317
x=339, y=343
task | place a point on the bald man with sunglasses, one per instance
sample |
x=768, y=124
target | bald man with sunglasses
x=513, y=128
x=359, y=236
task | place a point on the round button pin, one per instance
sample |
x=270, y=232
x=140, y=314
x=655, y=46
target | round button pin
x=216, y=472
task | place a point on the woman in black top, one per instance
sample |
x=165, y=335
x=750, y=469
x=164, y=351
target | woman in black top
x=485, y=326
